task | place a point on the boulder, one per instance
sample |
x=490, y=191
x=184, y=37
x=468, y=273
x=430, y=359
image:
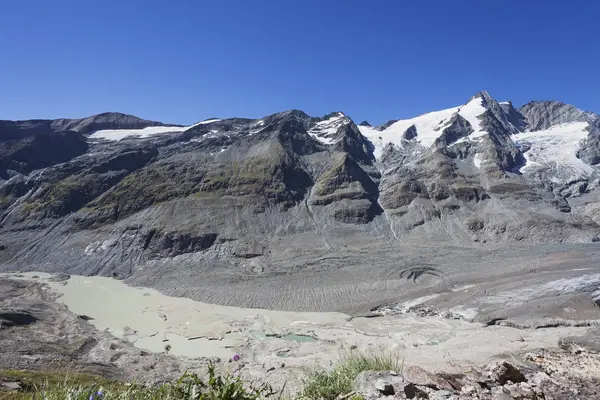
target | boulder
x=377, y=384
x=60, y=277
x=589, y=342
x=384, y=387
x=441, y=395
x=412, y=391
x=419, y=376
x=10, y=386
x=503, y=372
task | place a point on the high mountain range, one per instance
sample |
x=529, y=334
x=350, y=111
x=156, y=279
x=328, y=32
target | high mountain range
x=113, y=194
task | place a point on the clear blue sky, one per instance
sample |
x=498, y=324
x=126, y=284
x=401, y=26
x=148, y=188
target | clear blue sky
x=182, y=61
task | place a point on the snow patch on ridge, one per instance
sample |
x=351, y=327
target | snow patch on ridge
x=119, y=134
x=325, y=131
x=429, y=126
x=471, y=111
x=206, y=121
x=477, y=160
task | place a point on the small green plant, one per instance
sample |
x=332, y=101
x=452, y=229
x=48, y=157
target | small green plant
x=357, y=397
x=320, y=383
x=222, y=387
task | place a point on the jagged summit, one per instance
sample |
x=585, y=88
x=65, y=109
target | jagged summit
x=430, y=126
x=483, y=95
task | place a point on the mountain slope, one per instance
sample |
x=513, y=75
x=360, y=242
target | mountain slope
x=121, y=195
x=110, y=120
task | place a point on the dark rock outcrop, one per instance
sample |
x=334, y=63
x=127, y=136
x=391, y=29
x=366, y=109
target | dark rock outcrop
x=12, y=318
x=39, y=151
x=459, y=128
x=410, y=133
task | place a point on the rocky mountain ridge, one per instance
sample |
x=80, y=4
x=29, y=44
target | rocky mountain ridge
x=115, y=194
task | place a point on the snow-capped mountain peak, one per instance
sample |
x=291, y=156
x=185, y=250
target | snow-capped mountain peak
x=326, y=130
x=549, y=139
x=427, y=128
x=483, y=95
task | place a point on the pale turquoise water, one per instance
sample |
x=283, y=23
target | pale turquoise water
x=260, y=335
x=299, y=338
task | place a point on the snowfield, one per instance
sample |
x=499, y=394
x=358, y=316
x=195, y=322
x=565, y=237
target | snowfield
x=119, y=134
x=429, y=126
x=556, y=148
x=477, y=160
x=471, y=111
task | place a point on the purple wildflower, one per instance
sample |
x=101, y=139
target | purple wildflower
x=236, y=357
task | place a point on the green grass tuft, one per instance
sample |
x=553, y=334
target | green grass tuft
x=319, y=383
x=60, y=386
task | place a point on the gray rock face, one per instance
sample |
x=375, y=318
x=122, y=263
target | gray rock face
x=513, y=116
x=495, y=110
x=347, y=184
x=410, y=133
x=590, y=149
x=459, y=128
x=39, y=151
x=498, y=146
x=422, y=377
x=545, y=114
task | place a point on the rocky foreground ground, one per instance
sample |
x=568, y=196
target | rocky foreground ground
x=39, y=333
x=568, y=373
